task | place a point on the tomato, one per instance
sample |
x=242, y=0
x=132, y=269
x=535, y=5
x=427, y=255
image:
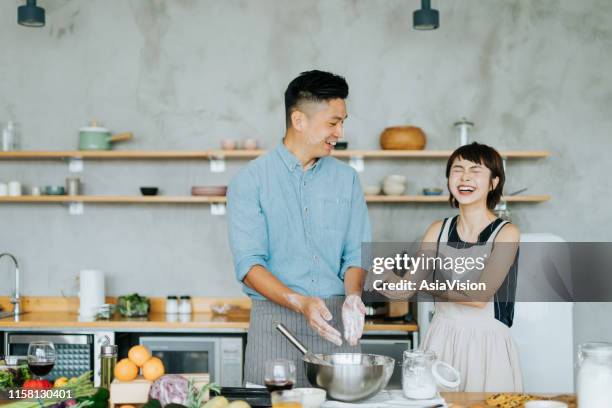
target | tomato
x=38, y=384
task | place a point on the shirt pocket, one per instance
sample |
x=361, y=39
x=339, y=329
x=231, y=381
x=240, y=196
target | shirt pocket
x=335, y=214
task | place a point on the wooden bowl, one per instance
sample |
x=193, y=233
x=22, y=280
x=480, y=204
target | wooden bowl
x=403, y=138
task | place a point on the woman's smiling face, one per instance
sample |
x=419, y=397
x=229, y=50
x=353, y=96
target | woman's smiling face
x=470, y=182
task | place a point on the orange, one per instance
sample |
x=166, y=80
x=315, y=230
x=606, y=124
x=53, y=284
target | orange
x=153, y=369
x=139, y=355
x=125, y=370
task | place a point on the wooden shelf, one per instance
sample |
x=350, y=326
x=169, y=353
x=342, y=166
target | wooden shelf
x=243, y=154
x=112, y=199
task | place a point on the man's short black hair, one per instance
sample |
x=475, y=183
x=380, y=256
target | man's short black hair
x=313, y=86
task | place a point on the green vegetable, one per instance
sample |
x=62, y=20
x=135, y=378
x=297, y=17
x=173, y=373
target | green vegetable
x=152, y=404
x=101, y=395
x=133, y=305
x=195, y=397
x=6, y=379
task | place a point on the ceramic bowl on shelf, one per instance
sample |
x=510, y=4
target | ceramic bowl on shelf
x=394, y=189
x=395, y=178
x=432, y=191
x=371, y=190
x=149, y=191
x=55, y=190
x=250, y=144
x=228, y=144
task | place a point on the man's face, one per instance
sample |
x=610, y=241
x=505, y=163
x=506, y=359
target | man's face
x=321, y=125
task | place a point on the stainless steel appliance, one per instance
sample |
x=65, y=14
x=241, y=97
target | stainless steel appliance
x=219, y=356
x=77, y=352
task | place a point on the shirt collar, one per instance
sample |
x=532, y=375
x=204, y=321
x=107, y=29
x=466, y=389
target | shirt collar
x=292, y=162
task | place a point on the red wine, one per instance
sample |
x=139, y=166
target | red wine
x=40, y=369
x=279, y=385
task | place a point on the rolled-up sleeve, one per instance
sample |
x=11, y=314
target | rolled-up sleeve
x=359, y=229
x=247, y=230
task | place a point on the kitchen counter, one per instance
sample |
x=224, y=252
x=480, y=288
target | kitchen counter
x=61, y=313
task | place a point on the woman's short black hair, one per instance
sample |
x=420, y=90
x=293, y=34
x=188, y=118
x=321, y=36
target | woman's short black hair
x=486, y=156
x=313, y=86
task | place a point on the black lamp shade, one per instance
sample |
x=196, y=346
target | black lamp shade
x=31, y=15
x=426, y=18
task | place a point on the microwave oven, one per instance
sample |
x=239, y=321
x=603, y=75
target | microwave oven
x=219, y=356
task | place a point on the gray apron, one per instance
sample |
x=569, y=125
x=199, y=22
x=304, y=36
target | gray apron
x=264, y=342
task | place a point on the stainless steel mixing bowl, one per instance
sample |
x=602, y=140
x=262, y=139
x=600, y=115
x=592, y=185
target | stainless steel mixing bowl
x=347, y=377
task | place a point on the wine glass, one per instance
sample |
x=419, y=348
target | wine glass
x=41, y=357
x=279, y=374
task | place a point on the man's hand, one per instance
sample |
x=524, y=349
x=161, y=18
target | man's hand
x=317, y=315
x=353, y=318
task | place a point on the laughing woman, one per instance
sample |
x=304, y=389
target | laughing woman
x=472, y=331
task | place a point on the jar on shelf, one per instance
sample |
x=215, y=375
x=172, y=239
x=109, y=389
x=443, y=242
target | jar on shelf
x=463, y=127
x=171, y=304
x=184, y=307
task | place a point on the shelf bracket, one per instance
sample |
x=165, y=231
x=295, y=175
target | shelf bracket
x=76, y=208
x=217, y=164
x=357, y=163
x=75, y=164
x=217, y=208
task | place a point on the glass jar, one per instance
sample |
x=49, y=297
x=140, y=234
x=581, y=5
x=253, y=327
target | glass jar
x=184, y=307
x=108, y=360
x=423, y=374
x=463, y=127
x=418, y=381
x=171, y=305
x=594, y=382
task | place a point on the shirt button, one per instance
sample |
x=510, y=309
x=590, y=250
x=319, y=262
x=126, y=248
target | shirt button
x=304, y=183
x=315, y=258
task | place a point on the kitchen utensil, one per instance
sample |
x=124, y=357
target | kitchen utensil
x=432, y=191
x=422, y=373
x=341, y=146
x=312, y=397
x=94, y=137
x=209, y=190
x=55, y=190
x=347, y=377
x=403, y=138
x=14, y=188
x=149, y=191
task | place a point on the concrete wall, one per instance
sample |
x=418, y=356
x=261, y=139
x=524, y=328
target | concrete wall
x=185, y=74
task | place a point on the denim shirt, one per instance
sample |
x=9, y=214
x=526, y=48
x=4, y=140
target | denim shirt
x=305, y=226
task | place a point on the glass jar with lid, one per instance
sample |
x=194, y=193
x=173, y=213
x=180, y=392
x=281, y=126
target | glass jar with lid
x=594, y=382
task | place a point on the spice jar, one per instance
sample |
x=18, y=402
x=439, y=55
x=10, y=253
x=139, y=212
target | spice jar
x=185, y=305
x=171, y=305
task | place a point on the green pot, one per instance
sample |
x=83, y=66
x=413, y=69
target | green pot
x=99, y=138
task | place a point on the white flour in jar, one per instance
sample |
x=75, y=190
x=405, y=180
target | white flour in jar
x=594, y=385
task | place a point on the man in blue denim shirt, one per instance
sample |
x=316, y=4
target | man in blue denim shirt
x=297, y=218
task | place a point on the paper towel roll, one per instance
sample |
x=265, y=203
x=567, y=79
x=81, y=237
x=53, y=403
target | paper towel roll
x=91, y=292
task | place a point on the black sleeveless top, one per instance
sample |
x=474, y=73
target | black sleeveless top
x=505, y=296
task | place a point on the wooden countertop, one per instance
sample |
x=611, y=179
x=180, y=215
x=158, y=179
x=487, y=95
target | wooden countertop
x=478, y=399
x=52, y=312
